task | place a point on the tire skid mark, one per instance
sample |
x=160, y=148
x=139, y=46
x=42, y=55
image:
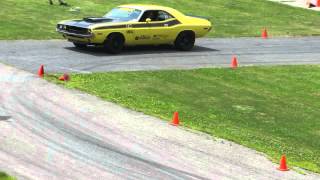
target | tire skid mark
x=75, y=134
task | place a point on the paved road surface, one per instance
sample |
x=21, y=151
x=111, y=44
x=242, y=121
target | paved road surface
x=297, y=3
x=61, y=56
x=47, y=132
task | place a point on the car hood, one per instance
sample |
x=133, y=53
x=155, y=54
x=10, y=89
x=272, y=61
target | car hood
x=88, y=21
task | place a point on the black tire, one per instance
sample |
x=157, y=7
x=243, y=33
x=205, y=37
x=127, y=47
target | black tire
x=114, y=43
x=79, y=45
x=185, y=41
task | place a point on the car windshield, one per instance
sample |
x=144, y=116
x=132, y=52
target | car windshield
x=123, y=14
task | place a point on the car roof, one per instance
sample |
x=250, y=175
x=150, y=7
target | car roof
x=147, y=7
x=143, y=7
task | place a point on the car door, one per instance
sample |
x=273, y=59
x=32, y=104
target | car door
x=162, y=28
x=139, y=33
x=154, y=27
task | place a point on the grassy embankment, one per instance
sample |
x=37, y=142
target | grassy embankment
x=4, y=176
x=274, y=110
x=34, y=19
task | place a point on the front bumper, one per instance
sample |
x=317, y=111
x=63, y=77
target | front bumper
x=64, y=32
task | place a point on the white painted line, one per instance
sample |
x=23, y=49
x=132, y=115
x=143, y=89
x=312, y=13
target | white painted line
x=75, y=70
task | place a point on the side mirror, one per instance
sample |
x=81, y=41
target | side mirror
x=148, y=20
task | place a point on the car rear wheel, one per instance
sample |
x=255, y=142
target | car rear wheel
x=114, y=43
x=79, y=45
x=185, y=41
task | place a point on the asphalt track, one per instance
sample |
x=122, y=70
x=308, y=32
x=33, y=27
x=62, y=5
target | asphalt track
x=48, y=132
x=61, y=56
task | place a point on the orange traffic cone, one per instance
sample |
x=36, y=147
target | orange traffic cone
x=234, y=62
x=283, y=164
x=264, y=33
x=175, y=119
x=64, y=77
x=41, y=71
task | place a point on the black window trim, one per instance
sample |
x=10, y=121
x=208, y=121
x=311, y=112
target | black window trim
x=155, y=10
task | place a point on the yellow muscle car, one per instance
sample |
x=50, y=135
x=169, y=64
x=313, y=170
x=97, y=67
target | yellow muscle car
x=136, y=24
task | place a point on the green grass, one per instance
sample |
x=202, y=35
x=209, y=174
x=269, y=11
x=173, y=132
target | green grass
x=274, y=110
x=4, y=176
x=34, y=19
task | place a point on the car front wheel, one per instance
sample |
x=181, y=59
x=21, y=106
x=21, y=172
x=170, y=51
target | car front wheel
x=185, y=41
x=80, y=46
x=114, y=43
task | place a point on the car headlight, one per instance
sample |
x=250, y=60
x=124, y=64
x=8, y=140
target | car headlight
x=61, y=26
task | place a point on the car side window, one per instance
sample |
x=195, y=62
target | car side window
x=162, y=16
x=155, y=16
x=148, y=14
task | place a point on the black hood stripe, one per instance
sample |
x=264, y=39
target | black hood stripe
x=144, y=25
x=111, y=27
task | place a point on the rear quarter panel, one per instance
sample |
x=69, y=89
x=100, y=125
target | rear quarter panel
x=200, y=26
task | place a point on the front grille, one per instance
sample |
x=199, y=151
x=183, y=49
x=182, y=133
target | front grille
x=77, y=30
